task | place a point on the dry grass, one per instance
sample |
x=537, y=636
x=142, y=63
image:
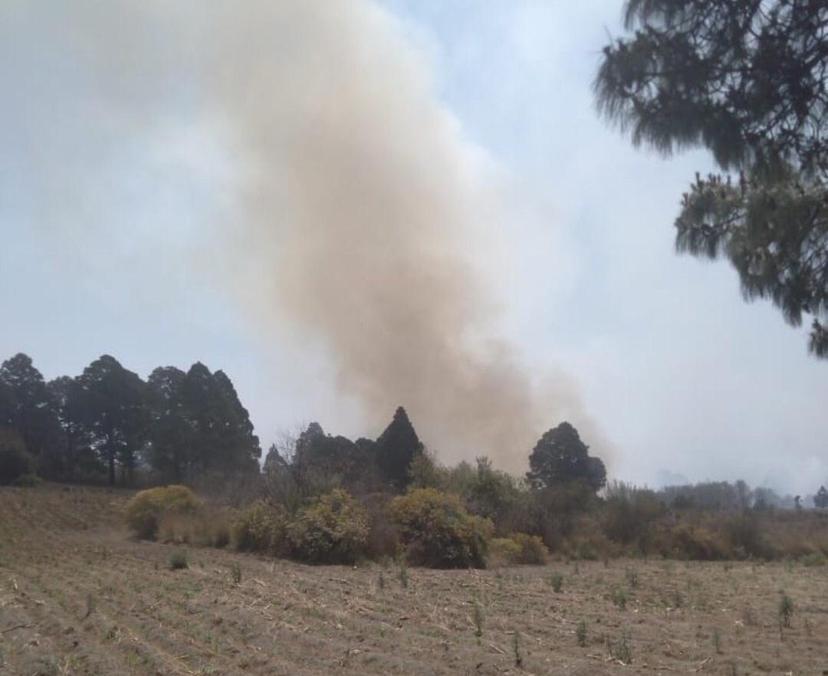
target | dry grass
x=78, y=596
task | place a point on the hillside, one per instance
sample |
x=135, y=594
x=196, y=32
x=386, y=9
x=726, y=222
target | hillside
x=78, y=596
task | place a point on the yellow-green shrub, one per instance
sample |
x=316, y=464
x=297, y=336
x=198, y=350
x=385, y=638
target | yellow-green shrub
x=262, y=527
x=145, y=510
x=518, y=549
x=438, y=531
x=503, y=551
x=532, y=551
x=333, y=529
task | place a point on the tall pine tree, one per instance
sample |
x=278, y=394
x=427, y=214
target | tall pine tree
x=396, y=447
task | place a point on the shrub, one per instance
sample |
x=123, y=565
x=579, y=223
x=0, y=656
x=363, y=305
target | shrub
x=262, y=527
x=519, y=548
x=581, y=633
x=334, y=529
x=629, y=513
x=532, y=549
x=814, y=559
x=504, y=551
x=15, y=462
x=786, y=610
x=438, y=531
x=178, y=560
x=556, y=582
x=695, y=542
x=383, y=537
x=28, y=481
x=747, y=539
x=145, y=510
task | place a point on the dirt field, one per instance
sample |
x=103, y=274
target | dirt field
x=77, y=596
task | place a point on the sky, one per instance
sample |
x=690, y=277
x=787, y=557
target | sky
x=126, y=192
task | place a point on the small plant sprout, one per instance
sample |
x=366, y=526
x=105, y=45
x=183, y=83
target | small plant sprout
x=477, y=617
x=556, y=582
x=619, y=598
x=581, y=633
x=786, y=610
x=621, y=650
x=403, y=574
x=516, y=649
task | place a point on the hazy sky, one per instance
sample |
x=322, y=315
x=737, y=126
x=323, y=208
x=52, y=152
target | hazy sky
x=109, y=242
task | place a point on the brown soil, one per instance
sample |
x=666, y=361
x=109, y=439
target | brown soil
x=78, y=596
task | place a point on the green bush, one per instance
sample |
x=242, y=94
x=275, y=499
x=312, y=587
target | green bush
x=145, y=511
x=695, y=542
x=28, y=481
x=178, y=560
x=262, y=527
x=532, y=549
x=519, y=548
x=504, y=551
x=333, y=529
x=15, y=462
x=438, y=531
x=813, y=559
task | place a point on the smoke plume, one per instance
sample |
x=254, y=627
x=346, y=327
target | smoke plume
x=360, y=215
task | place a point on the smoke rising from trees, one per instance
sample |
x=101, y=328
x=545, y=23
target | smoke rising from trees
x=358, y=213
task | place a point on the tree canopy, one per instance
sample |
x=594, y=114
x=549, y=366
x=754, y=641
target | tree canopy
x=748, y=80
x=108, y=420
x=560, y=458
x=396, y=447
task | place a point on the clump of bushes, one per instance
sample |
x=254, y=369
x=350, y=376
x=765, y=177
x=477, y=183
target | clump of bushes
x=28, y=481
x=438, y=531
x=15, y=461
x=519, y=548
x=147, y=508
x=262, y=527
x=333, y=529
x=686, y=541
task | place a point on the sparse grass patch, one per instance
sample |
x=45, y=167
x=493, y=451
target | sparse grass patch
x=621, y=650
x=556, y=582
x=785, y=610
x=619, y=598
x=178, y=560
x=581, y=633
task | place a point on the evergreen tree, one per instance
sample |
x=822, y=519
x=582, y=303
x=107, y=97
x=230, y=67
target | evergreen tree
x=322, y=460
x=560, y=458
x=171, y=430
x=222, y=434
x=749, y=82
x=115, y=414
x=28, y=408
x=79, y=458
x=396, y=447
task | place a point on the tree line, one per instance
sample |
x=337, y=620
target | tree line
x=107, y=424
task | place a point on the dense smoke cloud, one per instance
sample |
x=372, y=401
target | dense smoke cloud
x=359, y=213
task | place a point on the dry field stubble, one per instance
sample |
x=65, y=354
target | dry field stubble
x=78, y=596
